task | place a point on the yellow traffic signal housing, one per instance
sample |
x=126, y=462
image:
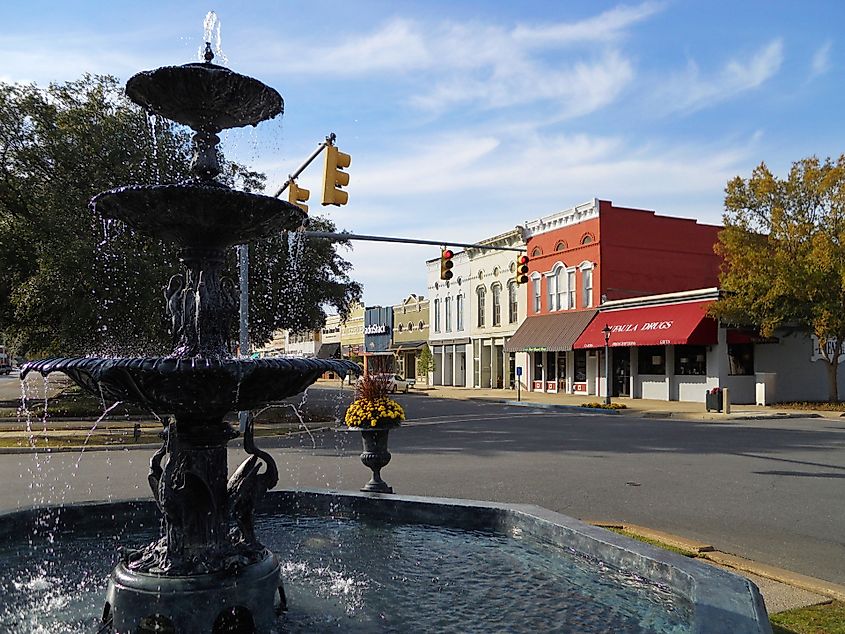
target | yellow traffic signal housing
x=334, y=177
x=521, y=276
x=446, y=264
x=298, y=195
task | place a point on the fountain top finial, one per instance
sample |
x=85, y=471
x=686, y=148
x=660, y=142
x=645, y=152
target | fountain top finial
x=209, y=54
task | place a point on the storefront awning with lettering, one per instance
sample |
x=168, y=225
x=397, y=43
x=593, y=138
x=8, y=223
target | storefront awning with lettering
x=669, y=324
x=407, y=346
x=555, y=332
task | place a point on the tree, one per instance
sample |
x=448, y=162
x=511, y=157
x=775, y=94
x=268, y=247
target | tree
x=425, y=362
x=783, y=250
x=71, y=283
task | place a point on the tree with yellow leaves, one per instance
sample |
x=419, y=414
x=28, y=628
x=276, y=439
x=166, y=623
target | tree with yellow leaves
x=783, y=250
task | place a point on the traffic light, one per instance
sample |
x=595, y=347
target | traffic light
x=521, y=270
x=446, y=264
x=298, y=195
x=334, y=177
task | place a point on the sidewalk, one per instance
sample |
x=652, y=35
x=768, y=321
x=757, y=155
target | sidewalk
x=634, y=406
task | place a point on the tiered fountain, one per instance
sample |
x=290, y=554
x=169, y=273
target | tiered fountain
x=206, y=576
x=201, y=574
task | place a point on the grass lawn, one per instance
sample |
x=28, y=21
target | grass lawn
x=816, y=619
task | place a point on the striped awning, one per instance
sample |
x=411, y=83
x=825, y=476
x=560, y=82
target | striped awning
x=554, y=333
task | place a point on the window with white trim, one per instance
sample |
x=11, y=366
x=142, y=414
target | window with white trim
x=536, y=292
x=570, y=286
x=459, y=313
x=448, y=306
x=497, y=304
x=512, y=303
x=436, y=315
x=587, y=287
x=482, y=297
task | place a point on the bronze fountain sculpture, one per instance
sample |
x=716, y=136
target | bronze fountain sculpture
x=202, y=575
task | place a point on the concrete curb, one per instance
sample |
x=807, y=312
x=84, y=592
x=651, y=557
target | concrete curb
x=811, y=584
x=707, y=551
x=559, y=406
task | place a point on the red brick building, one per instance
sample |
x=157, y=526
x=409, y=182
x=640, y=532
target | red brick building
x=595, y=253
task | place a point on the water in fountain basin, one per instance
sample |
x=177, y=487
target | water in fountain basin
x=363, y=576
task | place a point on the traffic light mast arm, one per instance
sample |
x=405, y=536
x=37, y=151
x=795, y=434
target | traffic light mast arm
x=330, y=139
x=340, y=237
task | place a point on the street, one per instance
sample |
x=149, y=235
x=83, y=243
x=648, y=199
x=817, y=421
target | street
x=768, y=490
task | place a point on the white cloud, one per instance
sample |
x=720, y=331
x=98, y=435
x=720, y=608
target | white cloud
x=479, y=65
x=398, y=46
x=821, y=60
x=690, y=91
x=608, y=25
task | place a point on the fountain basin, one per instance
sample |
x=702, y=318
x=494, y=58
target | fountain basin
x=204, y=214
x=708, y=599
x=193, y=387
x=204, y=96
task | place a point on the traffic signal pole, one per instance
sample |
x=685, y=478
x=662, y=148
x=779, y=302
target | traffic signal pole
x=292, y=177
x=340, y=237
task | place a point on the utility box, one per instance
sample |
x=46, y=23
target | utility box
x=764, y=387
x=713, y=400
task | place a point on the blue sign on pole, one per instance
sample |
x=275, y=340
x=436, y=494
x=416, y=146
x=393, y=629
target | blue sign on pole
x=519, y=370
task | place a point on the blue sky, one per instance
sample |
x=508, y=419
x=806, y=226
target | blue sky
x=464, y=119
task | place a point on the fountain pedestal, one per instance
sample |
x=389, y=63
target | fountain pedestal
x=137, y=603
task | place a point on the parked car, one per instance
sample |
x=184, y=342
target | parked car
x=397, y=383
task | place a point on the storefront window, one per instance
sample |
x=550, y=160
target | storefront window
x=538, y=366
x=741, y=358
x=580, y=373
x=652, y=360
x=561, y=369
x=691, y=360
x=550, y=366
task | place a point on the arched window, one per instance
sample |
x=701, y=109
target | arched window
x=482, y=299
x=400, y=328
x=410, y=325
x=536, y=252
x=560, y=287
x=497, y=304
x=448, y=306
x=421, y=325
x=587, y=238
x=459, y=312
x=560, y=246
x=436, y=315
x=512, y=303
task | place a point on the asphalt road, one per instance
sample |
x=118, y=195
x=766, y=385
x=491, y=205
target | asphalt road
x=769, y=490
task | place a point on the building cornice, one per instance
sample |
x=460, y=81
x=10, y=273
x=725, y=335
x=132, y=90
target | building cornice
x=565, y=218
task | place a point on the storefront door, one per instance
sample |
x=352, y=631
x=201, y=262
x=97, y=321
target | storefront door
x=621, y=362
